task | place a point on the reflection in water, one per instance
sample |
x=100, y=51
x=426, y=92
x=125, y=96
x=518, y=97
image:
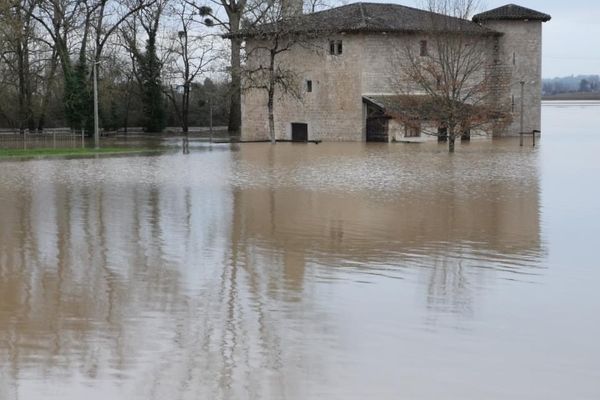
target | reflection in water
x=266, y=272
x=479, y=217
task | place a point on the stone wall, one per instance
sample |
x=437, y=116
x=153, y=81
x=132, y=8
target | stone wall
x=334, y=109
x=521, y=52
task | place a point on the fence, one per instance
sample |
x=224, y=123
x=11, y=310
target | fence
x=49, y=138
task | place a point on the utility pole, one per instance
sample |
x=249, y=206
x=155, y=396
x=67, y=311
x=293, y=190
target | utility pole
x=210, y=102
x=96, y=128
x=522, y=109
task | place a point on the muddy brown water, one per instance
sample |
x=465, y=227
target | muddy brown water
x=331, y=271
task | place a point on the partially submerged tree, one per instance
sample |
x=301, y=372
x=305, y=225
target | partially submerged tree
x=450, y=79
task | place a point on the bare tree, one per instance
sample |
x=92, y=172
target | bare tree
x=266, y=69
x=311, y=6
x=147, y=64
x=19, y=33
x=451, y=78
x=231, y=24
x=238, y=15
x=191, y=53
x=79, y=31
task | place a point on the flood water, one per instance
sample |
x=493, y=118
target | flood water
x=331, y=271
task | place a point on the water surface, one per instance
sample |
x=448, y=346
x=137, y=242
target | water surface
x=331, y=271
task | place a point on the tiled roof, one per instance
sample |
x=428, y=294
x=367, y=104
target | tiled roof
x=378, y=17
x=512, y=12
x=418, y=106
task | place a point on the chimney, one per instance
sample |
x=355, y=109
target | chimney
x=291, y=8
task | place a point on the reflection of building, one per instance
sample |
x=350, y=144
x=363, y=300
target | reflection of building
x=344, y=214
x=444, y=222
x=346, y=75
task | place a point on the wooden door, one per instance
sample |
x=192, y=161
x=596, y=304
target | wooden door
x=299, y=132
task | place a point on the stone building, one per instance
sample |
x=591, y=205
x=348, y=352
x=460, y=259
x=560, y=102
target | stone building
x=344, y=71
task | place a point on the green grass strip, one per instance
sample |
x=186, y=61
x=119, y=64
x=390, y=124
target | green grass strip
x=62, y=152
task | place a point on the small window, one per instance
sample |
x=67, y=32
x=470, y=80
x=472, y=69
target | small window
x=513, y=103
x=412, y=130
x=423, y=48
x=308, y=86
x=514, y=58
x=335, y=47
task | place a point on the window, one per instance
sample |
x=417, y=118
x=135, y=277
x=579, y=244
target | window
x=309, y=86
x=412, y=130
x=335, y=47
x=513, y=103
x=514, y=58
x=423, y=51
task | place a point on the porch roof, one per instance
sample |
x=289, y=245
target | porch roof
x=395, y=106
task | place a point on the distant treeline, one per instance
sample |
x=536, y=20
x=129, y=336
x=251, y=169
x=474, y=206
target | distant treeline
x=571, y=84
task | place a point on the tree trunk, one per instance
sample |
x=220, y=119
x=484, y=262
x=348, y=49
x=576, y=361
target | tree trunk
x=48, y=93
x=126, y=116
x=27, y=90
x=271, y=117
x=185, y=108
x=21, y=73
x=451, y=139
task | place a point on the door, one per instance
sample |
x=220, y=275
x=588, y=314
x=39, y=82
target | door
x=299, y=132
x=377, y=129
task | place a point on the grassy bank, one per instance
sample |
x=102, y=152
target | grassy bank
x=68, y=152
x=572, y=96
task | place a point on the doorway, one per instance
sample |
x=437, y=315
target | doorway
x=299, y=132
x=377, y=124
x=377, y=129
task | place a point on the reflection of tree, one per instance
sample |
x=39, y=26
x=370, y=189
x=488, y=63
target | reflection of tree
x=190, y=287
x=150, y=284
x=449, y=288
x=76, y=276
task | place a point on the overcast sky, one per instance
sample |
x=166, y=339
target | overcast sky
x=571, y=38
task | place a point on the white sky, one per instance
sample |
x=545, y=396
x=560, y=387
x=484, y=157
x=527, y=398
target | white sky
x=571, y=38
